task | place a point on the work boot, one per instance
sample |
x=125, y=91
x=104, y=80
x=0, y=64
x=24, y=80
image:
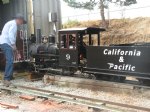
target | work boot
x=6, y=83
x=12, y=78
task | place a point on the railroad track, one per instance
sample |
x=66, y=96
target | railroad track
x=62, y=97
x=133, y=83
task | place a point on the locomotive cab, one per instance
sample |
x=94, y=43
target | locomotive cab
x=72, y=45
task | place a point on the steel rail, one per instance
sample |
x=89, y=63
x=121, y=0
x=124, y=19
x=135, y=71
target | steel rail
x=88, y=99
x=58, y=98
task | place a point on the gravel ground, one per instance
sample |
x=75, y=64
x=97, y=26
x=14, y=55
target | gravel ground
x=135, y=99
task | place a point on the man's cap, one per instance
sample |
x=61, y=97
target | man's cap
x=20, y=16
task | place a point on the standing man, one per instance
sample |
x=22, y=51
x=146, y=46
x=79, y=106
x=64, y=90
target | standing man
x=8, y=45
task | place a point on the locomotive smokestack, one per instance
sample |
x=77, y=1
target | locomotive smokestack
x=52, y=39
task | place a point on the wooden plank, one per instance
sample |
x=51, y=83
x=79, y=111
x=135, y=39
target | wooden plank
x=81, y=82
x=9, y=106
x=94, y=85
x=27, y=97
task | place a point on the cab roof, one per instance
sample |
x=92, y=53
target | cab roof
x=85, y=30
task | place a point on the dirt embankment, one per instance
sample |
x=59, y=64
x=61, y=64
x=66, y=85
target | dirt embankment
x=122, y=31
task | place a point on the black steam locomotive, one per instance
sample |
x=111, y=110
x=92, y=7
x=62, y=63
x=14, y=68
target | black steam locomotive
x=76, y=52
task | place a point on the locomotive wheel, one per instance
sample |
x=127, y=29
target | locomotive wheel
x=68, y=71
x=118, y=78
x=110, y=78
x=103, y=77
x=145, y=82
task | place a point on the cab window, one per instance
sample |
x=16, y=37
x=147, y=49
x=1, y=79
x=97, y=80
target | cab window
x=68, y=41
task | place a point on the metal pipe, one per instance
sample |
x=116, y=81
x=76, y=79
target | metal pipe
x=38, y=36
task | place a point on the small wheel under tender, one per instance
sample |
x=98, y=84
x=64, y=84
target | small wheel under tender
x=144, y=82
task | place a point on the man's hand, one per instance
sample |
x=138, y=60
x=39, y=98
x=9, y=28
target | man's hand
x=17, y=55
x=14, y=47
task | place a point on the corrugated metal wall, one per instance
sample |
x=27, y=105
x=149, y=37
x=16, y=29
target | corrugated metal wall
x=0, y=15
x=41, y=10
x=8, y=11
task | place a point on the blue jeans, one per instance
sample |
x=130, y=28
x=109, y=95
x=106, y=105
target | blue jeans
x=8, y=52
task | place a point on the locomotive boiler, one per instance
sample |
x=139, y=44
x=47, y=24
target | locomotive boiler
x=47, y=46
x=45, y=53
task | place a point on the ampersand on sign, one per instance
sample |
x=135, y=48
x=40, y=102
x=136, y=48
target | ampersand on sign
x=121, y=59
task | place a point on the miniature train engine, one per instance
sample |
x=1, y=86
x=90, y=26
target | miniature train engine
x=79, y=50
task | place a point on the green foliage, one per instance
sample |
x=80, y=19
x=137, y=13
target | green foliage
x=5, y=1
x=90, y=4
x=124, y=2
x=71, y=23
x=86, y=5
